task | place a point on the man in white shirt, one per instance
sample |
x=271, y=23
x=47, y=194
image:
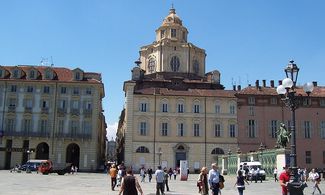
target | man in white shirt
x=160, y=181
x=213, y=179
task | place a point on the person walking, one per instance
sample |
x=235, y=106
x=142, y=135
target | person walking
x=203, y=181
x=175, y=174
x=275, y=173
x=284, y=179
x=113, y=174
x=142, y=174
x=166, y=175
x=314, y=177
x=160, y=181
x=240, y=183
x=130, y=184
x=150, y=174
x=213, y=179
x=170, y=173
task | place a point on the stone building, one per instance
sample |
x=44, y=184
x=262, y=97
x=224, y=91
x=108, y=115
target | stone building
x=52, y=113
x=260, y=112
x=174, y=110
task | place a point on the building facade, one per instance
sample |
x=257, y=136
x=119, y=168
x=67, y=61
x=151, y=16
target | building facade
x=51, y=113
x=260, y=112
x=174, y=110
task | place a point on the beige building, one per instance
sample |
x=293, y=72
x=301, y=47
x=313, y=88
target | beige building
x=51, y=113
x=174, y=110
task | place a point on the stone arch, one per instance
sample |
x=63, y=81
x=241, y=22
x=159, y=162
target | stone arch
x=181, y=151
x=73, y=154
x=42, y=151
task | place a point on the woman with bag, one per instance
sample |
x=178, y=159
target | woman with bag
x=202, y=182
x=240, y=183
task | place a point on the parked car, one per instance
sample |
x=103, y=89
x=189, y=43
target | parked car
x=46, y=167
x=252, y=167
x=31, y=165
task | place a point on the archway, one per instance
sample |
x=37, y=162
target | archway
x=42, y=151
x=73, y=154
x=181, y=151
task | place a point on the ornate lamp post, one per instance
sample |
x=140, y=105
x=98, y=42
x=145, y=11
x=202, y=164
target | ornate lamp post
x=261, y=149
x=287, y=91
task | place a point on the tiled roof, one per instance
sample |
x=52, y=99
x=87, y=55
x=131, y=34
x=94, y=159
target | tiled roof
x=319, y=91
x=60, y=73
x=189, y=92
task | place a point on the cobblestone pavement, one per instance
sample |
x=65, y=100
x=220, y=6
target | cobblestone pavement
x=99, y=184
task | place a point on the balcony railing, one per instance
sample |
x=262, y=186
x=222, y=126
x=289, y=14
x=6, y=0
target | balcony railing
x=75, y=112
x=62, y=111
x=45, y=110
x=11, y=108
x=27, y=133
x=87, y=113
x=28, y=110
x=73, y=135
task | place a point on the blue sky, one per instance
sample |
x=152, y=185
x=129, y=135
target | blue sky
x=245, y=40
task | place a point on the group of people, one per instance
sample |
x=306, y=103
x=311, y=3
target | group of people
x=211, y=180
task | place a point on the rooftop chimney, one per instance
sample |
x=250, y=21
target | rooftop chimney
x=234, y=87
x=239, y=87
x=264, y=83
x=272, y=83
x=315, y=83
x=257, y=84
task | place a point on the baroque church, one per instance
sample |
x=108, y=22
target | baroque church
x=174, y=110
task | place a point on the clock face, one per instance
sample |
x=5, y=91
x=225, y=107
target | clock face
x=152, y=65
x=196, y=66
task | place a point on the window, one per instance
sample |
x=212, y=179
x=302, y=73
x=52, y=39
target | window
x=27, y=125
x=142, y=149
x=88, y=91
x=30, y=89
x=87, y=128
x=15, y=73
x=173, y=32
x=88, y=105
x=164, y=129
x=75, y=104
x=62, y=104
x=152, y=65
x=162, y=34
x=232, y=130
x=274, y=101
x=306, y=101
x=232, y=109
x=322, y=129
x=28, y=103
x=251, y=111
x=217, y=130
x=180, y=129
x=74, y=128
x=217, y=109
x=12, y=102
x=77, y=76
x=251, y=100
x=196, y=66
x=180, y=107
x=217, y=151
x=322, y=102
x=32, y=74
x=48, y=75
x=61, y=126
x=46, y=89
x=251, y=129
x=63, y=90
x=10, y=126
x=196, y=130
x=274, y=125
x=164, y=107
x=1, y=73
x=196, y=108
x=143, y=128
x=45, y=104
x=44, y=126
x=308, y=157
x=143, y=107
x=13, y=88
x=174, y=64
x=307, y=129
x=75, y=91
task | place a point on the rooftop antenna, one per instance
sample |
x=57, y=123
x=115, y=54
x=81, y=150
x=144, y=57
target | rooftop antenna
x=247, y=80
x=44, y=61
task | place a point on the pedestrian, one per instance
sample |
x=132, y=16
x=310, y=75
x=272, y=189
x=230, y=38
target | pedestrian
x=113, y=174
x=72, y=169
x=166, y=175
x=170, y=173
x=142, y=174
x=75, y=169
x=213, y=179
x=130, y=184
x=314, y=177
x=240, y=183
x=175, y=174
x=150, y=174
x=275, y=173
x=160, y=181
x=202, y=182
x=284, y=179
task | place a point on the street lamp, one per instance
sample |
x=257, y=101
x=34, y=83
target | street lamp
x=261, y=149
x=287, y=92
x=29, y=152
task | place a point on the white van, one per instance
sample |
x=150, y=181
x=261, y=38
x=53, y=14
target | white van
x=251, y=166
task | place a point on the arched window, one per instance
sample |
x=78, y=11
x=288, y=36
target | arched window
x=174, y=64
x=152, y=65
x=196, y=66
x=180, y=147
x=142, y=149
x=217, y=151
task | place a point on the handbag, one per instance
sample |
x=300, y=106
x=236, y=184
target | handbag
x=199, y=183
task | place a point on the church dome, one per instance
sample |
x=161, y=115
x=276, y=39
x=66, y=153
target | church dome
x=172, y=18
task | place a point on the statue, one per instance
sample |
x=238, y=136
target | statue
x=283, y=136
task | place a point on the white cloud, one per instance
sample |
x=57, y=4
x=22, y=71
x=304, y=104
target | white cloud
x=111, y=131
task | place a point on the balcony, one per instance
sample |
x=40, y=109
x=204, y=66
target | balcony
x=75, y=112
x=73, y=135
x=45, y=110
x=12, y=108
x=28, y=110
x=26, y=134
x=62, y=111
x=87, y=113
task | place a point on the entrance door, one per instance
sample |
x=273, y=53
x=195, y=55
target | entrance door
x=180, y=156
x=42, y=151
x=73, y=154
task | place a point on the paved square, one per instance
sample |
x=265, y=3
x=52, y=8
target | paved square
x=99, y=184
